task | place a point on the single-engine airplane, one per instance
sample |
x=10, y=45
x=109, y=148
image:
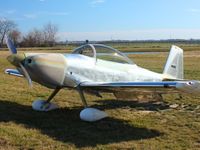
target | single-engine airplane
x=97, y=68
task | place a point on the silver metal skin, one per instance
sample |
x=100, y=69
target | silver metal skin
x=46, y=69
x=95, y=68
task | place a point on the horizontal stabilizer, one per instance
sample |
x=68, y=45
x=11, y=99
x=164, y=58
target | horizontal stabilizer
x=190, y=87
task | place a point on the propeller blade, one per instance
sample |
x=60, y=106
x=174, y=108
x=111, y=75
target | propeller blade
x=11, y=46
x=26, y=75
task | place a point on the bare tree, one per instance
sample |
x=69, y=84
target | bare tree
x=15, y=35
x=41, y=37
x=5, y=27
x=27, y=41
x=33, y=38
x=50, y=30
x=37, y=36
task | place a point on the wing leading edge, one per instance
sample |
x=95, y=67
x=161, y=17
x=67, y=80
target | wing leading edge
x=131, y=84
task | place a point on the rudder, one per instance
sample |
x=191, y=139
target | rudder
x=174, y=66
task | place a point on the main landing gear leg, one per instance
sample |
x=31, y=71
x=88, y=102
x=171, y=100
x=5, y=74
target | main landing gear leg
x=82, y=96
x=89, y=114
x=42, y=105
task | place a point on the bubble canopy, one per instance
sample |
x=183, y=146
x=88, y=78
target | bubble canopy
x=103, y=52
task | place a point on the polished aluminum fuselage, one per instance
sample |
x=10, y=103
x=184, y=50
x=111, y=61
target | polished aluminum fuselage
x=81, y=68
x=69, y=70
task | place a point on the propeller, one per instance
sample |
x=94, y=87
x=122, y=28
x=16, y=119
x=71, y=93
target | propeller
x=10, y=45
x=16, y=60
x=28, y=78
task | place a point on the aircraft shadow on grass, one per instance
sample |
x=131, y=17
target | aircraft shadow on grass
x=148, y=105
x=65, y=125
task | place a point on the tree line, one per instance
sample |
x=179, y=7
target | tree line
x=43, y=37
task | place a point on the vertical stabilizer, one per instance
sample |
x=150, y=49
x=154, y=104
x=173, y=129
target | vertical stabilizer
x=174, y=65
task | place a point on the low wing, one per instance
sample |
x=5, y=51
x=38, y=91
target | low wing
x=190, y=87
x=13, y=72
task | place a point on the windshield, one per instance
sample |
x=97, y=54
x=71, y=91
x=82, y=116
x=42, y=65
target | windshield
x=87, y=50
x=103, y=52
x=110, y=54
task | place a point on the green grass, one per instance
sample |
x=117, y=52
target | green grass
x=125, y=47
x=131, y=125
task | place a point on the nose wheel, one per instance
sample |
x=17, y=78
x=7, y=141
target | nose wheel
x=46, y=105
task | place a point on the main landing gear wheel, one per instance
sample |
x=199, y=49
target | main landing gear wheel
x=90, y=114
x=42, y=105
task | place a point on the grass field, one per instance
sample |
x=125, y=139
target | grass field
x=125, y=47
x=131, y=125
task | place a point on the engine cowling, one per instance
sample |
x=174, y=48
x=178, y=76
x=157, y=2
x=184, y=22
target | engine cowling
x=47, y=69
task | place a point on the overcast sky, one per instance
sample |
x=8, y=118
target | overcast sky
x=108, y=19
